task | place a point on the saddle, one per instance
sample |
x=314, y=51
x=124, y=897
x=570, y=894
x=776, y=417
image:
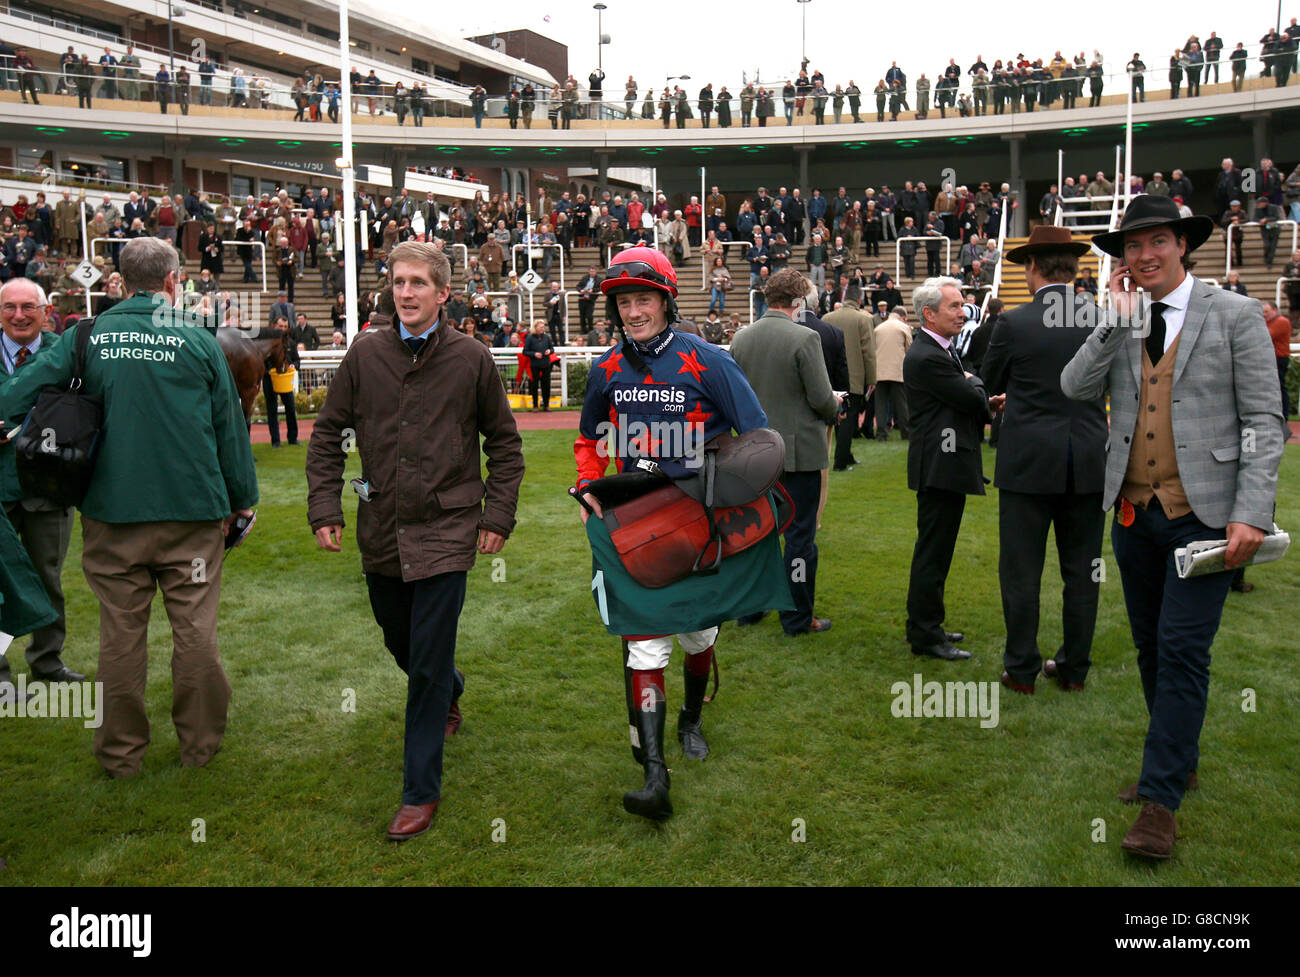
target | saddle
x=665, y=530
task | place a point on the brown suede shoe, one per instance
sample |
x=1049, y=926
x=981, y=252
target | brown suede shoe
x=1153, y=833
x=411, y=820
x=1129, y=795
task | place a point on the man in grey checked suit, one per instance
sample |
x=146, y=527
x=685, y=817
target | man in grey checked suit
x=1195, y=442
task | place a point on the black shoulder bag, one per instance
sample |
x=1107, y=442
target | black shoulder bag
x=55, y=449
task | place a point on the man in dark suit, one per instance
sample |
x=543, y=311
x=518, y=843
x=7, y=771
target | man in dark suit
x=948, y=408
x=837, y=368
x=1051, y=463
x=858, y=329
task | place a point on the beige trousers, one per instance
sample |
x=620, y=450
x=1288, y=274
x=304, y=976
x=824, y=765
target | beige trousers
x=125, y=563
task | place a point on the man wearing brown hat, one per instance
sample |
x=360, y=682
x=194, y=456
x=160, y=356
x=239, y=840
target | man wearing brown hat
x=1195, y=442
x=1051, y=462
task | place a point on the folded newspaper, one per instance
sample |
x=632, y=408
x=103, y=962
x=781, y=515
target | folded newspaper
x=1207, y=556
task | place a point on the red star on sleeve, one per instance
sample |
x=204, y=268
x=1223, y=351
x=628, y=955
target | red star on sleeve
x=691, y=364
x=699, y=416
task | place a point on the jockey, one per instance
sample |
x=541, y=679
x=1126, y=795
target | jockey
x=652, y=403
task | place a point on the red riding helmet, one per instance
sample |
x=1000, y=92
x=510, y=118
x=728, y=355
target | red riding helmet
x=636, y=269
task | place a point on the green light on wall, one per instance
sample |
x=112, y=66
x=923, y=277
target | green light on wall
x=857, y=145
x=702, y=150
x=232, y=141
x=1075, y=132
x=500, y=150
x=907, y=142
x=109, y=134
x=752, y=149
x=51, y=129
x=961, y=138
x=550, y=151
x=448, y=150
x=289, y=143
x=1204, y=120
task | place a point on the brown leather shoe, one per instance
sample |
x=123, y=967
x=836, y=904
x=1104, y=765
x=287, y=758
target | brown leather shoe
x=1153, y=833
x=1051, y=671
x=411, y=820
x=1015, y=686
x=1129, y=795
x=454, y=718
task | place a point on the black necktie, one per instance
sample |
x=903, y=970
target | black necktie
x=1156, y=337
x=952, y=351
x=415, y=344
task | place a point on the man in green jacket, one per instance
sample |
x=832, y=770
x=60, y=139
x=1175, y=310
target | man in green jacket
x=784, y=364
x=174, y=470
x=43, y=527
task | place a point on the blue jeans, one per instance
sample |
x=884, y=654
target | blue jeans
x=478, y=119
x=789, y=113
x=1174, y=622
x=718, y=299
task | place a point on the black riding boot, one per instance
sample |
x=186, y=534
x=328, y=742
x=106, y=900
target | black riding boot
x=689, y=720
x=651, y=801
x=638, y=752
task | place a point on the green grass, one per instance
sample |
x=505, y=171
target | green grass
x=302, y=791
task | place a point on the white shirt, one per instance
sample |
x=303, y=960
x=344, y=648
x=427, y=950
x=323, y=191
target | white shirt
x=1176, y=309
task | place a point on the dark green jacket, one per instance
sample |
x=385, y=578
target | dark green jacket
x=9, y=491
x=174, y=446
x=783, y=361
x=24, y=604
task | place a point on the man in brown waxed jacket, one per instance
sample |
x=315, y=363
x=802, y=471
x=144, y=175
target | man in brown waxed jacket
x=413, y=399
x=492, y=257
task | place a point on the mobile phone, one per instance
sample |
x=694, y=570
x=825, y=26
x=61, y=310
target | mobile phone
x=239, y=530
x=362, y=487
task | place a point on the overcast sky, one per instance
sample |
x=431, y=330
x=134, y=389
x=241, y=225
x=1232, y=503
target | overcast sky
x=851, y=39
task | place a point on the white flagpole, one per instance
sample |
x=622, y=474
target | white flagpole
x=348, y=165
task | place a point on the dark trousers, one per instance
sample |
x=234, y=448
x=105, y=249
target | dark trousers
x=891, y=404
x=1077, y=520
x=586, y=314
x=419, y=621
x=1173, y=623
x=845, y=431
x=273, y=400
x=805, y=490
x=541, y=384
x=938, y=519
x=286, y=280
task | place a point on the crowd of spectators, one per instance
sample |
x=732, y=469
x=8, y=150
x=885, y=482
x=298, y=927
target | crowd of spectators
x=954, y=229
x=1009, y=85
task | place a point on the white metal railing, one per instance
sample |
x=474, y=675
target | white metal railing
x=1227, y=239
x=898, y=252
x=465, y=257
x=1072, y=208
x=1277, y=295
x=120, y=241
x=514, y=249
